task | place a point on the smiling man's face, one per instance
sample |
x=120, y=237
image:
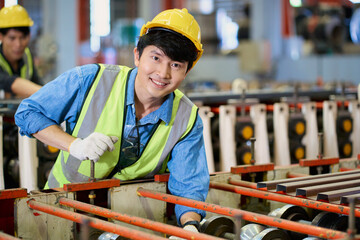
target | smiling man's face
x=158, y=75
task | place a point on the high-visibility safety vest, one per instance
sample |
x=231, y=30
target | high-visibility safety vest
x=26, y=70
x=104, y=111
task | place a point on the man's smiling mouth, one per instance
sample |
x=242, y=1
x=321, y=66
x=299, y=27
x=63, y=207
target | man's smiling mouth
x=160, y=84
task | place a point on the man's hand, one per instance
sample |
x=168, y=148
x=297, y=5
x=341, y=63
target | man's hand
x=191, y=228
x=92, y=147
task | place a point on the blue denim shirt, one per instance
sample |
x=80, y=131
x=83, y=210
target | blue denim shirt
x=61, y=100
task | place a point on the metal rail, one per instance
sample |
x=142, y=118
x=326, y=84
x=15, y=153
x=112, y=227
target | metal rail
x=283, y=198
x=246, y=215
x=137, y=221
x=92, y=222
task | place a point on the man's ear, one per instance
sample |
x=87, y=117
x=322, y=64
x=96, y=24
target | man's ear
x=136, y=57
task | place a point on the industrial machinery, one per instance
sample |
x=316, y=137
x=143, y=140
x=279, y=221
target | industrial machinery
x=139, y=209
x=254, y=198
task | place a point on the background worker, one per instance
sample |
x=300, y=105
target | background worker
x=133, y=122
x=18, y=75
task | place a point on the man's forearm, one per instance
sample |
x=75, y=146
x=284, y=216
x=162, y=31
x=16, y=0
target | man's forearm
x=55, y=136
x=24, y=88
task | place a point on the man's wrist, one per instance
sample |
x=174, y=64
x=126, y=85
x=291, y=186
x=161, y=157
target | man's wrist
x=194, y=223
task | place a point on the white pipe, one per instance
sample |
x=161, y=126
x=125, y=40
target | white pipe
x=329, y=129
x=206, y=115
x=258, y=117
x=310, y=139
x=227, y=118
x=281, y=139
x=28, y=163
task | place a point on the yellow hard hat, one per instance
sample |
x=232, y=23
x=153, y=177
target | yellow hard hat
x=14, y=16
x=180, y=21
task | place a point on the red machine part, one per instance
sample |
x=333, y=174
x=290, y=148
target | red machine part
x=108, y=183
x=318, y=162
x=252, y=168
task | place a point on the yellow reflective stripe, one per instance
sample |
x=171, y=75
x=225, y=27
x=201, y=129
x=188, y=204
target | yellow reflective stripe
x=4, y=65
x=27, y=69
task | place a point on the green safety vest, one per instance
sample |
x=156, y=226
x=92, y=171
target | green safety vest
x=103, y=111
x=26, y=70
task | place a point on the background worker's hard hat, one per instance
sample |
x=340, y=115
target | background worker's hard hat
x=14, y=16
x=180, y=21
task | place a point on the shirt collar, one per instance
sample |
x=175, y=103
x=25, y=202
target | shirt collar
x=165, y=110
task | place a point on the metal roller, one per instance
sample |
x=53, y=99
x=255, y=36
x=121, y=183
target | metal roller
x=272, y=234
x=219, y=226
x=329, y=220
x=109, y=236
x=250, y=230
x=292, y=213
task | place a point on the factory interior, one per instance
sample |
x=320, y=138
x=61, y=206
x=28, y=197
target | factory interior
x=277, y=90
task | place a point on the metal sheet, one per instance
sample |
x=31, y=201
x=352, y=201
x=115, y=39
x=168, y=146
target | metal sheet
x=32, y=224
x=124, y=199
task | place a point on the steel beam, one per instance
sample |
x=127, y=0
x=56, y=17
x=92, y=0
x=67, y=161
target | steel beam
x=292, y=186
x=270, y=185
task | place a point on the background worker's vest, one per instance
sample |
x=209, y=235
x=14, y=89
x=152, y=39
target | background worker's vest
x=104, y=111
x=26, y=70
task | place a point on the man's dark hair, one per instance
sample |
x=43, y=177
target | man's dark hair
x=24, y=30
x=176, y=46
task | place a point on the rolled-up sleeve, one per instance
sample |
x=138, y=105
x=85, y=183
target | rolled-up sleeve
x=58, y=101
x=189, y=174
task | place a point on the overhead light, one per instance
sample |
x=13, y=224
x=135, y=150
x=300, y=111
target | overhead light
x=99, y=22
x=9, y=3
x=295, y=3
x=355, y=1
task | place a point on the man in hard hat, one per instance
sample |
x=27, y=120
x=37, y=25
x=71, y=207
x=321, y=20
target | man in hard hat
x=133, y=123
x=18, y=75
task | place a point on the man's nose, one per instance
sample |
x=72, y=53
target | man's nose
x=18, y=42
x=164, y=71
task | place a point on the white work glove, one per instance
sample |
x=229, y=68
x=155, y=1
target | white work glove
x=190, y=228
x=92, y=147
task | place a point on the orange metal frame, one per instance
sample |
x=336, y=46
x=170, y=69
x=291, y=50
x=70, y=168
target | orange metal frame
x=246, y=215
x=92, y=222
x=137, y=221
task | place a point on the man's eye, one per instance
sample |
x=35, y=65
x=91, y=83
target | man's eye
x=177, y=65
x=155, y=58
